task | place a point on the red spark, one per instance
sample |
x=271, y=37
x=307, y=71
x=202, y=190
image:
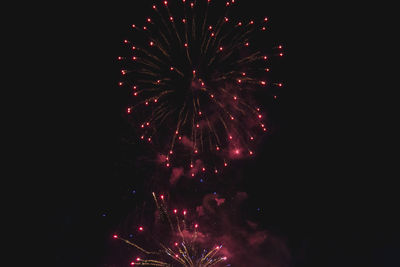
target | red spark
x=120, y=83
x=148, y=20
x=133, y=47
x=175, y=211
x=151, y=43
x=281, y=54
x=128, y=110
x=162, y=197
x=115, y=236
x=165, y=2
x=140, y=228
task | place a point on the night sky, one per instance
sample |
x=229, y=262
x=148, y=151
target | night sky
x=319, y=182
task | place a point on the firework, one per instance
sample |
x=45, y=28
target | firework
x=186, y=252
x=193, y=75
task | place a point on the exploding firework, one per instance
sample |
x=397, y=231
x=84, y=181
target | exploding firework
x=185, y=252
x=193, y=74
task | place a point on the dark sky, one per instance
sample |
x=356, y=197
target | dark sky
x=327, y=190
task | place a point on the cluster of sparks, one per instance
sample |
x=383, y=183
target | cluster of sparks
x=191, y=77
x=184, y=252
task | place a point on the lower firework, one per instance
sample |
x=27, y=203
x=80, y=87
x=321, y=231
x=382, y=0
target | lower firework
x=185, y=251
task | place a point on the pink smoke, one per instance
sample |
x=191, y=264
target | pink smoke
x=176, y=174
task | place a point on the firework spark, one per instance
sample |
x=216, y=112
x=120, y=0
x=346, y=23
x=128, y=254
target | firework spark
x=192, y=77
x=185, y=253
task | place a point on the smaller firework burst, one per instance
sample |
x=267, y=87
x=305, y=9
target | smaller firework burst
x=185, y=252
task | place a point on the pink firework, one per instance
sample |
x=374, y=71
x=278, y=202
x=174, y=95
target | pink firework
x=195, y=77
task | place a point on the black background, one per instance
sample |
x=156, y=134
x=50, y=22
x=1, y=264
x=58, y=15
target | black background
x=329, y=192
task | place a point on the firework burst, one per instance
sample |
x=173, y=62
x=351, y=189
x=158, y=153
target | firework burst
x=193, y=74
x=185, y=252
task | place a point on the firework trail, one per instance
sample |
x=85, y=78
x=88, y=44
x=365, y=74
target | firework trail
x=193, y=73
x=185, y=252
